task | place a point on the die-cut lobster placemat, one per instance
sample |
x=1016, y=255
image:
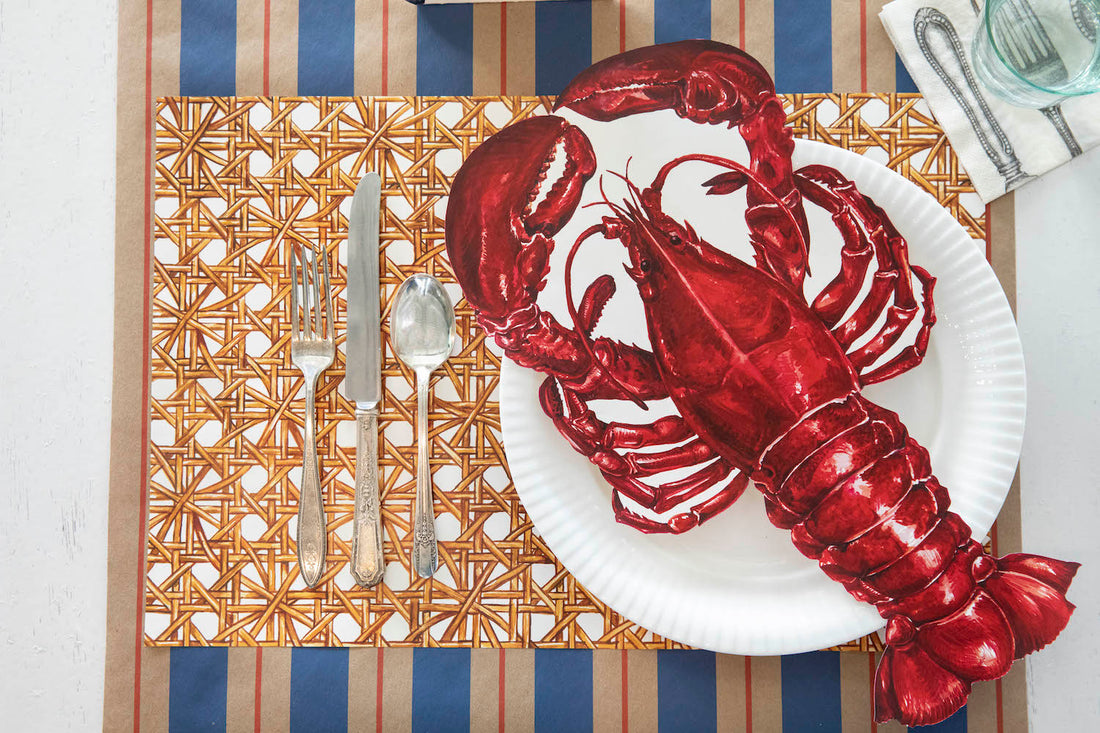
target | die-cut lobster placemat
x=239, y=182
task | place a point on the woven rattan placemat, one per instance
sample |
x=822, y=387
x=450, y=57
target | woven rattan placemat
x=238, y=182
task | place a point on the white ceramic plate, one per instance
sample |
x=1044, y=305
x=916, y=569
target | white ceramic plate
x=736, y=584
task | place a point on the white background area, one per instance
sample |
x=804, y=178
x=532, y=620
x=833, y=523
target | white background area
x=58, y=65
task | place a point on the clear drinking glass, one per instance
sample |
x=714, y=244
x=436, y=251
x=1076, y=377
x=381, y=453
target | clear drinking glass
x=1036, y=53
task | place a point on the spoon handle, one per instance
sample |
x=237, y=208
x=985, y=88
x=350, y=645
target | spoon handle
x=425, y=555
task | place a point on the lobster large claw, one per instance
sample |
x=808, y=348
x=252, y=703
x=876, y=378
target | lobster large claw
x=712, y=83
x=498, y=235
x=501, y=218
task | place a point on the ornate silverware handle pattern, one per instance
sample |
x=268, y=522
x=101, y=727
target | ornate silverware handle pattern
x=367, y=559
x=311, y=507
x=425, y=552
x=929, y=20
x=1058, y=120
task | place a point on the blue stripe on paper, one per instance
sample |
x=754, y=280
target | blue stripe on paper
x=563, y=687
x=563, y=44
x=676, y=20
x=811, y=691
x=208, y=47
x=445, y=49
x=318, y=690
x=803, y=46
x=955, y=724
x=197, y=680
x=441, y=690
x=902, y=81
x=687, y=697
x=326, y=47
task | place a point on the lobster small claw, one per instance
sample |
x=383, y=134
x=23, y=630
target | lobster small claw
x=708, y=82
x=704, y=81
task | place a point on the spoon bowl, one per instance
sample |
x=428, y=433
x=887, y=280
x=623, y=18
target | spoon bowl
x=422, y=324
x=422, y=332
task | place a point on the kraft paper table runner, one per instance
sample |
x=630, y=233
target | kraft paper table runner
x=396, y=49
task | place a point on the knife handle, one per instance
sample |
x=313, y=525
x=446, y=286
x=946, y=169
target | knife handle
x=311, y=507
x=367, y=563
x=425, y=556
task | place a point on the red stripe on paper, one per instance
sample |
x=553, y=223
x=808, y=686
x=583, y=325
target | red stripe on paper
x=741, y=25
x=267, y=52
x=871, y=677
x=622, y=49
x=143, y=502
x=500, y=655
x=626, y=691
x=503, y=74
x=748, y=694
x=385, y=90
x=993, y=529
x=863, y=45
x=378, y=667
x=258, y=704
x=989, y=251
x=1000, y=710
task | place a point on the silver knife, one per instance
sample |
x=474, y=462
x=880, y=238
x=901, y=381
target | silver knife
x=363, y=379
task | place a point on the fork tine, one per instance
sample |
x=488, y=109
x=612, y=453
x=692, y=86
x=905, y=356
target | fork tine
x=295, y=331
x=307, y=318
x=1012, y=48
x=330, y=328
x=316, y=295
x=1042, y=41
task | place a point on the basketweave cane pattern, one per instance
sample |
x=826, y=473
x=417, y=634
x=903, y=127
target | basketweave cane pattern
x=239, y=183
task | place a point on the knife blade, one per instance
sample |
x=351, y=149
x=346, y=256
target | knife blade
x=363, y=377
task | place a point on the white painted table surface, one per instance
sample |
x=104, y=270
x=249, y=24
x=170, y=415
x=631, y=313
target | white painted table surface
x=57, y=145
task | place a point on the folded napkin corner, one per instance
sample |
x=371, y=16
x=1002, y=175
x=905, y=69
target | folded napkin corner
x=1001, y=146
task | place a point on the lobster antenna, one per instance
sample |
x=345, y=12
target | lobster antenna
x=606, y=200
x=734, y=165
x=585, y=341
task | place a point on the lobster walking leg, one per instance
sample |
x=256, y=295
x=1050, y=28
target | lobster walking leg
x=867, y=232
x=607, y=446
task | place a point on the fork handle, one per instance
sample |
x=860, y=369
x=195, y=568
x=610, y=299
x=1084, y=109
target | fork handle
x=366, y=541
x=311, y=508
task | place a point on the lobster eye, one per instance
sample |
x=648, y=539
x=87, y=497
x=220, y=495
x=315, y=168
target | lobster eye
x=643, y=264
x=675, y=240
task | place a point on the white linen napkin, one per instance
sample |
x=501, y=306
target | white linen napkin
x=1001, y=146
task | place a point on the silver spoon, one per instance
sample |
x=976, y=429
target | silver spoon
x=422, y=331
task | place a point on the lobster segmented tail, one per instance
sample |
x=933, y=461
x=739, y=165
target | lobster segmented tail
x=858, y=494
x=1018, y=606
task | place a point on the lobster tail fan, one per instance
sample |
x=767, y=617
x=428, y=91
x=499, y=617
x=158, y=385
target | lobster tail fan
x=1058, y=574
x=1017, y=606
x=1030, y=591
x=914, y=688
x=929, y=667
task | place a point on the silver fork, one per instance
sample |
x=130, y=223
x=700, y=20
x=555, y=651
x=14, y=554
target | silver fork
x=312, y=349
x=1034, y=55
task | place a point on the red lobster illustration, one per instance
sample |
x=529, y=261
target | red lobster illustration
x=767, y=385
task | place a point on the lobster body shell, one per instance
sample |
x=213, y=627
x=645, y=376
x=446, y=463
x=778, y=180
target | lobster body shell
x=755, y=368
